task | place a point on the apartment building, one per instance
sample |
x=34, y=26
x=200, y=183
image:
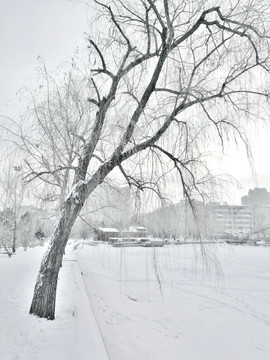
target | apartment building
x=256, y=197
x=230, y=219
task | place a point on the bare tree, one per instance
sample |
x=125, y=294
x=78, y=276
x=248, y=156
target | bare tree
x=169, y=77
x=6, y=230
x=12, y=191
x=111, y=205
x=26, y=230
x=50, y=133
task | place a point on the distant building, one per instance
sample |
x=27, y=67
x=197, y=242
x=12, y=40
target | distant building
x=261, y=215
x=212, y=219
x=256, y=197
x=230, y=219
x=259, y=200
x=134, y=232
x=106, y=234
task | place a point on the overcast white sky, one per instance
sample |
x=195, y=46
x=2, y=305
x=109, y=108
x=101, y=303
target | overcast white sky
x=29, y=28
x=53, y=29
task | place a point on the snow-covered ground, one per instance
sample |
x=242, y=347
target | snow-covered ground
x=167, y=303
x=74, y=334
x=150, y=304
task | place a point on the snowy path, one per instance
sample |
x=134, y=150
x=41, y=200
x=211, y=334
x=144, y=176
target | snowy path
x=199, y=315
x=74, y=334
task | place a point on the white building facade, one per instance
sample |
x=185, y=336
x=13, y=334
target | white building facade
x=231, y=219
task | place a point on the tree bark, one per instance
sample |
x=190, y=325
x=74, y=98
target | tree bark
x=44, y=298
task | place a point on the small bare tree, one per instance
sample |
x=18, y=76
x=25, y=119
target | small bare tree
x=26, y=230
x=6, y=230
x=169, y=77
x=12, y=191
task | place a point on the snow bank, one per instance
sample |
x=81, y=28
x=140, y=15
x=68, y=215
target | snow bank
x=73, y=335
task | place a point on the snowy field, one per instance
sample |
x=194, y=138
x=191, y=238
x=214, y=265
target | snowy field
x=166, y=303
x=148, y=304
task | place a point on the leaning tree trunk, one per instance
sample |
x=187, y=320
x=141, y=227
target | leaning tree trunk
x=43, y=302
